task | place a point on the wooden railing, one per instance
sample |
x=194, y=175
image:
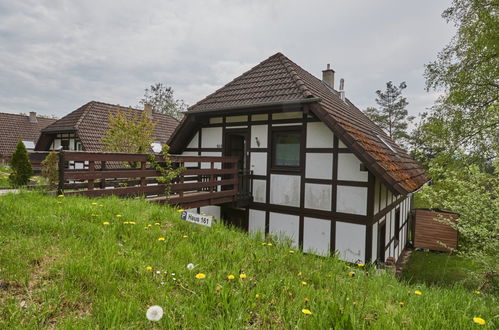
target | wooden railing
x=205, y=180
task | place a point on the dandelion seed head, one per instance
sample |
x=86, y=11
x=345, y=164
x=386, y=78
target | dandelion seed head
x=190, y=266
x=154, y=313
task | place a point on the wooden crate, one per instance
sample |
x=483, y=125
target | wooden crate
x=428, y=232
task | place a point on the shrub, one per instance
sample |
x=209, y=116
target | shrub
x=20, y=165
x=50, y=168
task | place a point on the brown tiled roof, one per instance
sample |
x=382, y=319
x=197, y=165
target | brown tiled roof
x=278, y=79
x=13, y=127
x=90, y=122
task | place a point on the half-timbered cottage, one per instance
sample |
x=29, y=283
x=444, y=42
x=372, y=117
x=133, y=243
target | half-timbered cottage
x=321, y=172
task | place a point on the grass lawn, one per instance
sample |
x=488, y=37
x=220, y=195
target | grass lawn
x=74, y=262
x=4, y=177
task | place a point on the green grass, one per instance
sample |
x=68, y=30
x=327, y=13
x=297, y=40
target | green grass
x=4, y=177
x=69, y=270
x=435, y=268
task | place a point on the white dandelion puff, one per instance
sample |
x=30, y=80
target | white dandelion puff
x=190, y=266
x=154, y=313
x=158, y=272
x=173, y=274
x=174, y=279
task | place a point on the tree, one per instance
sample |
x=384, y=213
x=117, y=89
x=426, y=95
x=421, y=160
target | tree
x=162, y=100
x=20, y=165
x=132, y=135
x=392, y=115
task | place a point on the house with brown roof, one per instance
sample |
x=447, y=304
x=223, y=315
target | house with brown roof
x=14, y=127
x=84, y=128
x=322, y=174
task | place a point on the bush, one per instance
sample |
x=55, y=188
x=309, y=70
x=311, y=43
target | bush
x=50, y=168
x=20, y=165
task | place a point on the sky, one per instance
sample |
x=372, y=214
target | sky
x=57, y=55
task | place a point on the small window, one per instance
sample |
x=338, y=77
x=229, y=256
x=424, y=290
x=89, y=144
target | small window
x=286, y=145
x=65, y=144
x=29, y=144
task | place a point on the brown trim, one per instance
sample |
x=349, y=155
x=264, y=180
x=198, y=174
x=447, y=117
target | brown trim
x=334, y=190
x=332, y=237
x=204, y=149
x=345, y=151
x=258, y=149
x=387, y=209
x=320, y=150
x=369, y=243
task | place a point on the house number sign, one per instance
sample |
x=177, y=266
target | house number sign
x=196, y=218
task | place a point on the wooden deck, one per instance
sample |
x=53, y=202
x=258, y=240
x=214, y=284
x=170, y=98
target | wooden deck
x=205, y=180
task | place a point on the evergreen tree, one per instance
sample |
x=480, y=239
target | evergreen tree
x=392, y=116
x=162, y=100
x=20, y=165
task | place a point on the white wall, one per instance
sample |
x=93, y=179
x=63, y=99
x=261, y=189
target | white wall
x=319, y=166
x=217, y=165
x=256, y=221
x=351, y=200
x=260, y=132
x=350, y=241
x=318, y=196
x=374, y=240
x=211, y=137
x=284, y=226
x=190, y=153
x=285, y=189
x=319, y=135
x=194, y=142
x=259, y=191
x=316, y=235
x=258, y=163
x=349, y=168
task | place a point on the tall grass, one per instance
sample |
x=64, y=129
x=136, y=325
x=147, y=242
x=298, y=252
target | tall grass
x=61, y=266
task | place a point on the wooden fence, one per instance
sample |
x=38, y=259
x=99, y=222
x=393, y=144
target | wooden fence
x=430, y=233
x=205, y=180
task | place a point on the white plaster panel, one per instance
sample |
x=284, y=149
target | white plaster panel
x=211, y=137
x=285, y=226
x=351, y=200
x=316, y=235
x=258, y=163
x=190, y=153
x=194, y=142
x=236, y=119
x=259, y=135
x=319, y=166
x=260, y=191
x=287, y=115
x=350, y=241
x=285, y=189
x=374, y=247
x=341, y=144
x=217, y=165
x=319, y=135
x=318, y=196
x=376, y=196
x=211, y=210
x=256, y=221
x=382, y=197
x=349, y=168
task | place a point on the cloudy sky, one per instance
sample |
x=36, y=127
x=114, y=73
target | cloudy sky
x=56, y=55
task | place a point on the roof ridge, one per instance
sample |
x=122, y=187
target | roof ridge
x=84, y=113
x=288, y=64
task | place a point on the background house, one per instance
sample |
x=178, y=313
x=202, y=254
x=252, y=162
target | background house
x=14, y=127
x=84, y=128
x=323, y=174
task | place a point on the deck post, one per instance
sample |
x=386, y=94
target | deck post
x=91, y=168
x=60, y=186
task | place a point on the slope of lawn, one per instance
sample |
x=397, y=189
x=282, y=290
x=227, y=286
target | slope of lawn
x=74, y=262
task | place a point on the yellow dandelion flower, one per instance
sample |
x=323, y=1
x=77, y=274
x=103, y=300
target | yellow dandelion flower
x=257, y=296
x=149, y=268
x=269, y=244
x=200, y=276
x=418, y=292
x=299, y=274
x=118, y=215
x=180, y=210
x=306, y=299
x=351, y=274
x=360, y=265
x=133, y=223
x=185, y=236
x=402, y=304
x=149, y=225
x=157, y=224
x=230, y=277
x=291, y=251
x=105, y=223
x=242, y=276
x=477, y=292
x=479, y=320
x=60, y=196
x=101, y=204
x=125, y=222
x=303, y=283
x=94, y=203
x=161, y=239
x=306, y=311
